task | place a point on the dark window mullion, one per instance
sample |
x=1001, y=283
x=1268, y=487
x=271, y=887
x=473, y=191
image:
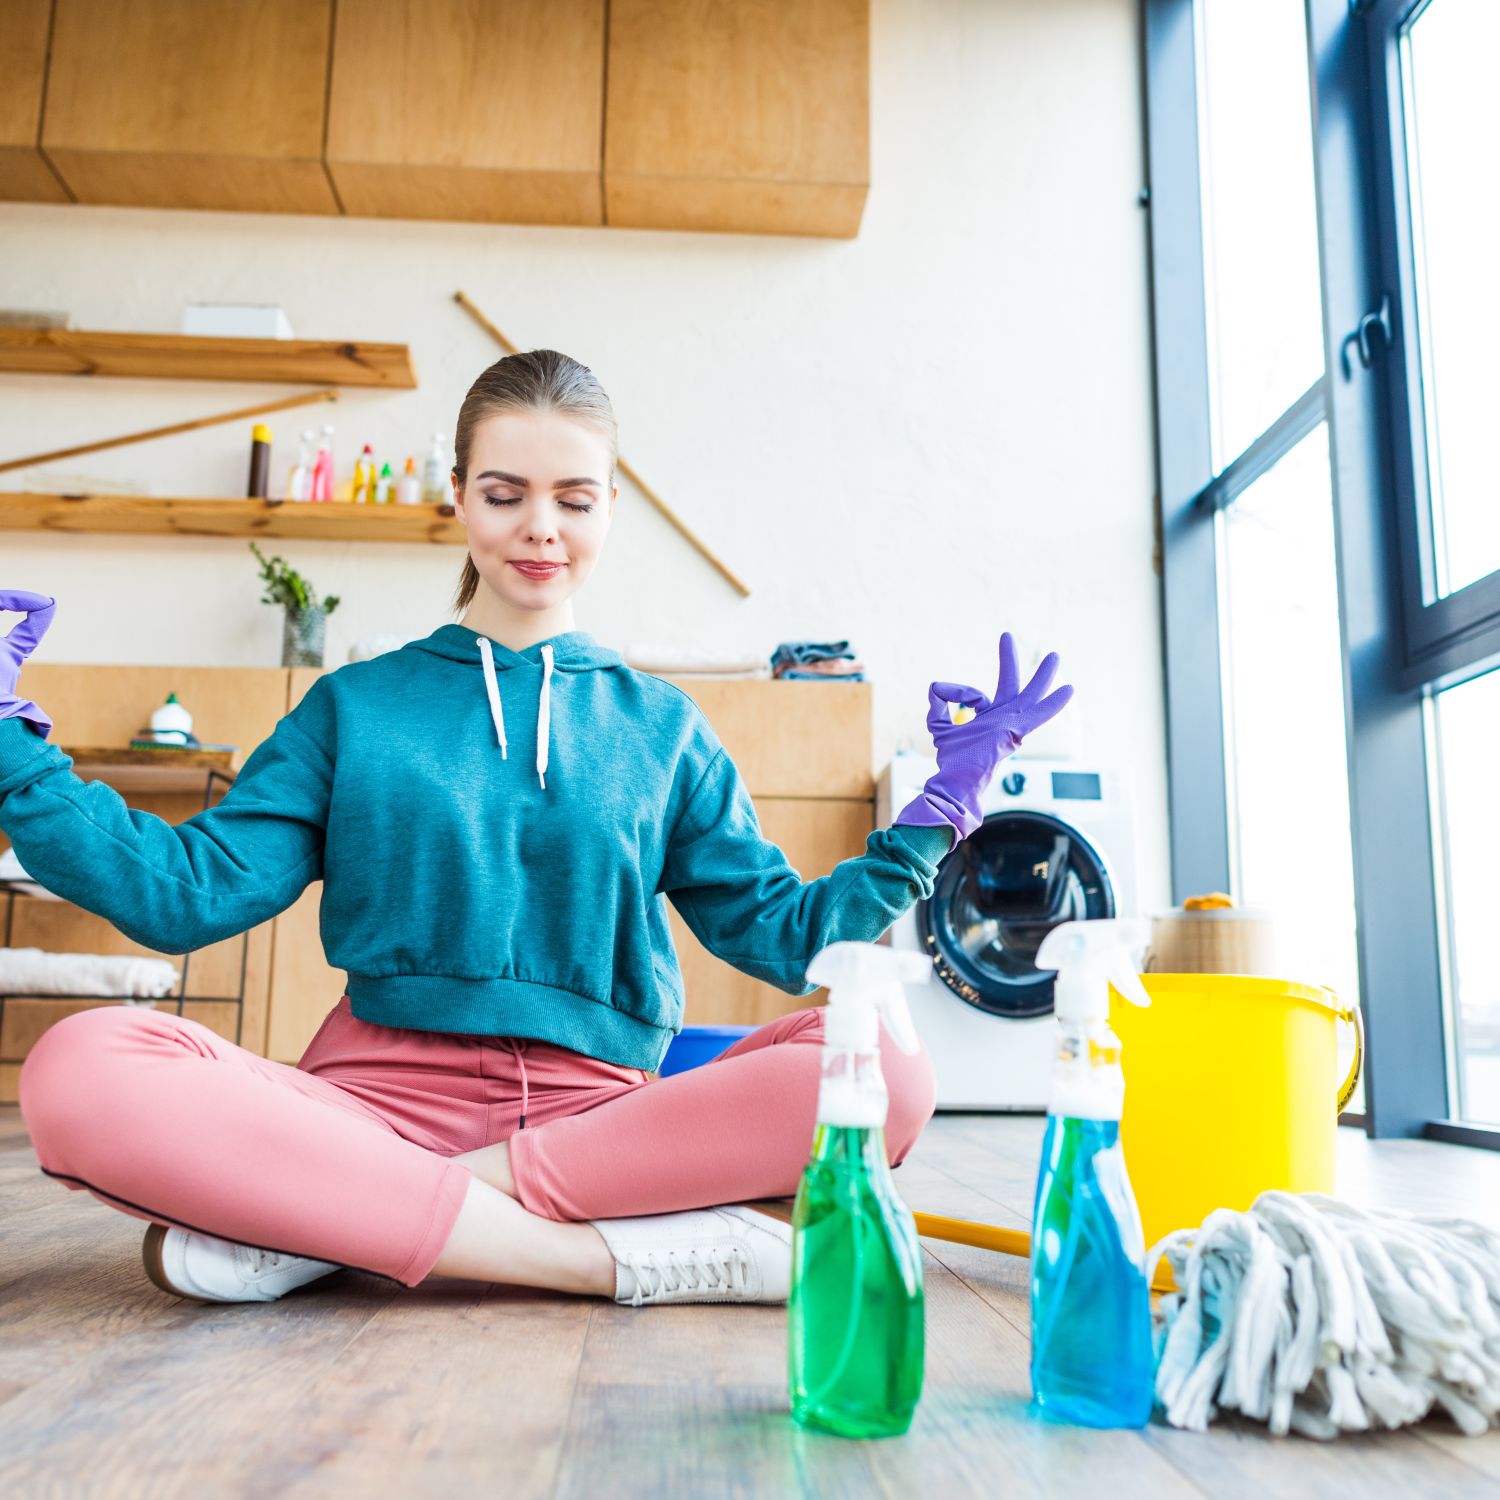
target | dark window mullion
x=1197, y=793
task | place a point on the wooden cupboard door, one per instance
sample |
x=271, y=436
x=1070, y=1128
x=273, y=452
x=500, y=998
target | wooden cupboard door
x=738, y=115
x=792, y=739
x=815, y=834
x=191, y=103
x=24, y=173
x=304, y=988
x=442, y=109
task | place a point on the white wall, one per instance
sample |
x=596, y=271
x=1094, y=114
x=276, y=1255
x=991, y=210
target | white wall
x=913, y=439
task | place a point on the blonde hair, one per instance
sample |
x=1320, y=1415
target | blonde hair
x=539, y=380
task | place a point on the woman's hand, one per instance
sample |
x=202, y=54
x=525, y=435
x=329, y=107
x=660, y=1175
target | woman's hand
x=969, y=752
x=16, y=647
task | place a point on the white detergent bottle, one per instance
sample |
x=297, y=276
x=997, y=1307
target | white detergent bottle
x=855, y=1310
x=1091, y=1356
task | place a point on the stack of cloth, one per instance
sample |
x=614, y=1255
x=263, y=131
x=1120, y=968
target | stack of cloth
x=34, y=971
x=16, y=878
x=690, y=661
x=812, y=661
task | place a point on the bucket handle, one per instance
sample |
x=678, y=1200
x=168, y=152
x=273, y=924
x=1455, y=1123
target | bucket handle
x=1352, y=1015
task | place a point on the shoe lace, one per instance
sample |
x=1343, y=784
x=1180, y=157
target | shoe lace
x=263, y=1260
x=661, y=1273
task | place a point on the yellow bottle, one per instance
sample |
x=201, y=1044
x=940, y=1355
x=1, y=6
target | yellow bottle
x=364, y=477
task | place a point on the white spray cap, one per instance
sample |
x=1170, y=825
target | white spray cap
x=1091, y=956
x=865, y=983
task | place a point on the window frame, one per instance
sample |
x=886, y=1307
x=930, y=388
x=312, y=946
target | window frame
x=1396, y=895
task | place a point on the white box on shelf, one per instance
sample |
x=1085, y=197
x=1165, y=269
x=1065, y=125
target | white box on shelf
x=235, y=320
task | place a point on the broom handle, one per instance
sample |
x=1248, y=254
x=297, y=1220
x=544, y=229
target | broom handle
x=468, y=306
x=306, y=399
x=982, y=1236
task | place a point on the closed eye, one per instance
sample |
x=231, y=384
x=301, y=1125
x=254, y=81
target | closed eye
x=516, y=500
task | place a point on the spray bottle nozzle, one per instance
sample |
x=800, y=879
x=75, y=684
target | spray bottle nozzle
x=1091, y=956
x=865, y=981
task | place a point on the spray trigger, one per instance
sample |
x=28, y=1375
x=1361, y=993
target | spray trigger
x=865, y=980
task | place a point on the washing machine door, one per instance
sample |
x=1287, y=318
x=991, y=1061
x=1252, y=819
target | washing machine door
x=997, y=895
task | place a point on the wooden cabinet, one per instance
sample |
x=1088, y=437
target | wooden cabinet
x=24, y=173
x=738, y=115
x=107, y=705
x=191, y=103
x=441, y=109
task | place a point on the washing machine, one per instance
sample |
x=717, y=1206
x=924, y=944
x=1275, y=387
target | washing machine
x=1057, y=845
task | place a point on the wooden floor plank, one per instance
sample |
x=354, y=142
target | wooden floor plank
x=353, y=1386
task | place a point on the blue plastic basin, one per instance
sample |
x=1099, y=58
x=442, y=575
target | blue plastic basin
x=695, y=1045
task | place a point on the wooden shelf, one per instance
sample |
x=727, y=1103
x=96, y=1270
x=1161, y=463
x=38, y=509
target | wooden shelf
x=127, y=769
x=148, y=515
x=169, y=356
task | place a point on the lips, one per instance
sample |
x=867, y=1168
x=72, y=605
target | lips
x=537, y=570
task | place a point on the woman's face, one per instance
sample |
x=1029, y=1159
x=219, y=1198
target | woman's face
x=538, y=491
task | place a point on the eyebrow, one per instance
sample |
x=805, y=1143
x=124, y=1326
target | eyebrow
x=515, y=479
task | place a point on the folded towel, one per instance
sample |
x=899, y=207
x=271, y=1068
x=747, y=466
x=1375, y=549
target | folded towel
x=693, y=661
x=33, y=971
x=10, y=870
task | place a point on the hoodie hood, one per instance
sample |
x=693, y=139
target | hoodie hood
x=573, y=651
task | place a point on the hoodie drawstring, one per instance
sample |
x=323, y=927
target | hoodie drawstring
x=544, y=720
x=543, y=709
x=493, y=689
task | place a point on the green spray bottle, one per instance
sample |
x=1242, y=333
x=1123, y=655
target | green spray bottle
x=855, y=1310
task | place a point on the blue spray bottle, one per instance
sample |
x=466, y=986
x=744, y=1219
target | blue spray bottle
x=1091, y=1356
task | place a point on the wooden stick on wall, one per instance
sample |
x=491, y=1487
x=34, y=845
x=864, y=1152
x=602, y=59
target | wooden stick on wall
x=306, y=399
x=468, y=306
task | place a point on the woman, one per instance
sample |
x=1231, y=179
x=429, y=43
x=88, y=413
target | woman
x=478, y=1104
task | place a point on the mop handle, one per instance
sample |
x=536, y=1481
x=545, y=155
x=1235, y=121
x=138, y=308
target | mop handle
x=983, y=1236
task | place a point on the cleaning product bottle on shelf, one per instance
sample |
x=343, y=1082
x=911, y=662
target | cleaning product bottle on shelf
x=1091, y=1355
x=409, y=487
x=299, y=482
x=322, y=484
x=258, y=485
x=435, y=487
x=381, y=489
x=364, y=476
x=855, y=1309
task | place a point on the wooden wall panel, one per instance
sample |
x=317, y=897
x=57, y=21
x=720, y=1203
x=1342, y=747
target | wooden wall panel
x=738, y=115
x=441, y=109
x=792, y=739
x=304, y=986
x=815, y=834
x=24, y=173
x=191, y=103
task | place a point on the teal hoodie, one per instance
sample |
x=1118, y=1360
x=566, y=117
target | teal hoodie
x=498, y=834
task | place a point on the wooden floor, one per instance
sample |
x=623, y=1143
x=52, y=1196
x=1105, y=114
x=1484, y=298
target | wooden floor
x=351, y=1387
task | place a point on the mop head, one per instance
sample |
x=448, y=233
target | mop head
x=1316, y=1317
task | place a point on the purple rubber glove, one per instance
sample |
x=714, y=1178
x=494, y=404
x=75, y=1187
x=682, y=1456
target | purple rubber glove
x=16, y=647
x=968, y=753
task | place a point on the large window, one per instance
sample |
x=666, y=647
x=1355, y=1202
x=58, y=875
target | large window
x=1323, y=220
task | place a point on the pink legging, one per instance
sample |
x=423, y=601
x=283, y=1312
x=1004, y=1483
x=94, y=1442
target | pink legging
x=345, y=1157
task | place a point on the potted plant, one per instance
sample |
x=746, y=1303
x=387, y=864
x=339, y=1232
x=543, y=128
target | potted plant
x=306, y=619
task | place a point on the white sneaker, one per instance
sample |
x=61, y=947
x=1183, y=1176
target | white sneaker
x=730, y=1254
x=212, y=1270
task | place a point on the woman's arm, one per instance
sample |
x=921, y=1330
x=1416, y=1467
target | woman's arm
x=747, y=905
x=177, y=887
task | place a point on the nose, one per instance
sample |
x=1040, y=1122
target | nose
x=541, y=525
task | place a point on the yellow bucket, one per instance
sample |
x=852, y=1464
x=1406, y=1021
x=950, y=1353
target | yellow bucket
x=1231, y=1088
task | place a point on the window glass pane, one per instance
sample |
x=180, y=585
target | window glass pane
x=1284, y=717
x=1259, y=222
x=1468, y=721
x=1452, y=116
